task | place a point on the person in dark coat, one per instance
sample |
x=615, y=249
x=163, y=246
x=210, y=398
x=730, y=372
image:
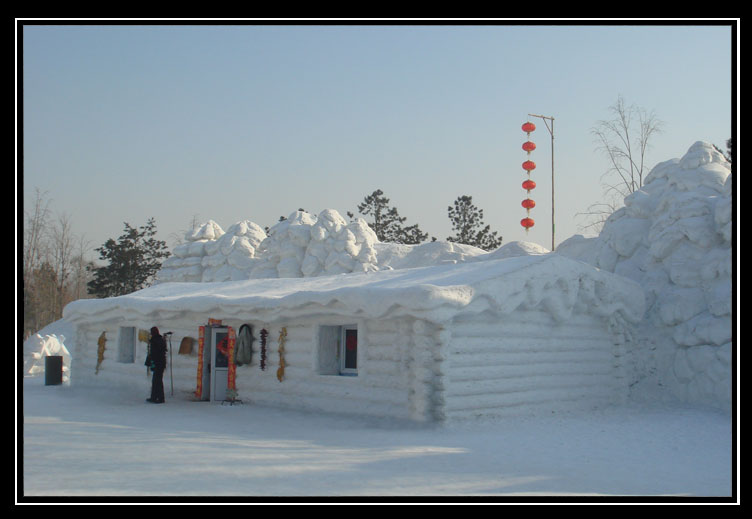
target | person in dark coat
x=157, y=361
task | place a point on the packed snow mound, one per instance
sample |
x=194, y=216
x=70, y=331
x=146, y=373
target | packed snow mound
x=207, y=231
x=210, y=254
x=673, y=236
x=512, y=250
x=306, y=245
x=231, y=255
x=399, y=256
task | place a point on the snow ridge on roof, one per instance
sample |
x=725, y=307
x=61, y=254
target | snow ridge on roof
x=553, y=283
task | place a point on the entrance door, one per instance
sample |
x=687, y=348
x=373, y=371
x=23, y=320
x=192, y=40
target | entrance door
x=219, y=363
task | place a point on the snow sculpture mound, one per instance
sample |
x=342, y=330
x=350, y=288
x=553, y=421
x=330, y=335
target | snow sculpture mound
x=229, y=257
x=207, y=231
x=337, y=247
x=46, y=346
x=304, y=245
x=185, y=262
x=673, y=236
x=211, y=254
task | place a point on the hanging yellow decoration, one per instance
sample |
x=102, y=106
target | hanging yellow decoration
x=282, y=340
x=102, y=341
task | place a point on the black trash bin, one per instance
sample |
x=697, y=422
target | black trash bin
x=53, y=370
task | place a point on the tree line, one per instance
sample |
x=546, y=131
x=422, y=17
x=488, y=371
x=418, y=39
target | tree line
x=465, y=216
x=55, y=268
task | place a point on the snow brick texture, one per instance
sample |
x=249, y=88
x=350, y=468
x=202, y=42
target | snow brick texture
x=302, y=245
x=673, y=237
x=210, y=254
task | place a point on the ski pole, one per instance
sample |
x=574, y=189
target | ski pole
x=171, y=386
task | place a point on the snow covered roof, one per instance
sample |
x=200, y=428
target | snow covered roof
x=554, y=283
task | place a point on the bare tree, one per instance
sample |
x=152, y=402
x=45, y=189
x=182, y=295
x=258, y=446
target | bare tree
x=62, y=242
x=54, y=264
x=35, y=227
x=82, y=268
x=624, y=140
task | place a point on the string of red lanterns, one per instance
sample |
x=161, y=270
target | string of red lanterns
x=528, y=184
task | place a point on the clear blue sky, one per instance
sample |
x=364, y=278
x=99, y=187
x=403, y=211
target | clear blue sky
x=126, y=122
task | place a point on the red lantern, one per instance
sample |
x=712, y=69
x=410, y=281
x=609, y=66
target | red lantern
x=528, y=146
x=527, y=223
x=528, y=165
x=528, y=185
x=528, y=127
x=528, y=203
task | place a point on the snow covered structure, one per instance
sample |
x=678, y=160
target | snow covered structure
x=440, y=330
x=674, y=237
x=302, y=245
x=480, y=338
x=39, y=346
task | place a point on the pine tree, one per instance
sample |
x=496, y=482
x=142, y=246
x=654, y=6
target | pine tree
x=133, y=259
x=467, y=221
x=386, y=221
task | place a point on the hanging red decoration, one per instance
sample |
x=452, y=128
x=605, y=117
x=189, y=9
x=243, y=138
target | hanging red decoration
x=528, y=184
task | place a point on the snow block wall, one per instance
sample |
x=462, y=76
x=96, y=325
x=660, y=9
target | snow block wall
x=380, y=388
x=530, y=363
x=396, y=380
x=673, y=237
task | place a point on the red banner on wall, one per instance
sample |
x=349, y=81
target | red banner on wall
x=200, y=369
x=231, y=358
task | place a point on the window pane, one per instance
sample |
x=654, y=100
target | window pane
x=221, y=358
x=351, y=349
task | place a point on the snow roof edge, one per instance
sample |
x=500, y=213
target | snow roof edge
x=556, y=283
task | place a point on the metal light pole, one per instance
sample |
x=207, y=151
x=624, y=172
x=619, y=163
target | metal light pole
x=550, y=129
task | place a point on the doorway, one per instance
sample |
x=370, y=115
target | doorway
x=221, y=364
x=215, y=364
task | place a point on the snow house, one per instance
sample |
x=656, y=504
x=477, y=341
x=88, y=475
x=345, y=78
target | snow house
x=494, y=338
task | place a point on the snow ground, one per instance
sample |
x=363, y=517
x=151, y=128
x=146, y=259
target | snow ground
x=113, y=446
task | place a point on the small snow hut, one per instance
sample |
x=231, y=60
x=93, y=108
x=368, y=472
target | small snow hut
x=481, y=338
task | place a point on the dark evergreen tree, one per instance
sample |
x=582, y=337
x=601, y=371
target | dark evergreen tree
x=730, y=150
x=133, y=261
x=386, y=221
x=467, y=222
